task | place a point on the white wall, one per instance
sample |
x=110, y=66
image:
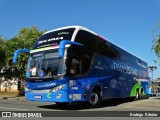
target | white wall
x=9, y=85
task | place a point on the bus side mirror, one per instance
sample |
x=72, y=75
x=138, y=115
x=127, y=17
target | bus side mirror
x=63, y=44
x=18, y=52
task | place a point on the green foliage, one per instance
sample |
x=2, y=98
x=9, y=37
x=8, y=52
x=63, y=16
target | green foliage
x=156, y=39
x=25, y=39
x=152, y=68
x=28, y=36
x=2, y=54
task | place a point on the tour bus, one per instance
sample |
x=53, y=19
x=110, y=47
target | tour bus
x=74, y=64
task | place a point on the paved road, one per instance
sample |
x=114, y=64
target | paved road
x=151, y=104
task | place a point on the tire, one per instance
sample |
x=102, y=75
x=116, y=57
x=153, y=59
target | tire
x=95, y=99
x=141, y=95
x=137, y=95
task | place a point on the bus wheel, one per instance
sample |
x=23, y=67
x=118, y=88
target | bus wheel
x=142, y=94
x=95, y=99
x=137, y=95
x=61, y=104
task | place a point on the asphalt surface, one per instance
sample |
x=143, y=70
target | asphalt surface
x=153, y=104
x=19, y=104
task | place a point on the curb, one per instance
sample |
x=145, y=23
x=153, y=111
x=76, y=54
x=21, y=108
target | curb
x=12, y=98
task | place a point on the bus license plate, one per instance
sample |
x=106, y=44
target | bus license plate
x=38, y=97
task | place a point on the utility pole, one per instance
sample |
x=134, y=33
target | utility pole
x=154, y=89
x=152, y=68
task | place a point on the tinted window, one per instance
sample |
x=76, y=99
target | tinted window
x=86, y=52
x=54, y=38
x=92, y=43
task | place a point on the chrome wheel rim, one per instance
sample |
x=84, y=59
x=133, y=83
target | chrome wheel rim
x=94, y=99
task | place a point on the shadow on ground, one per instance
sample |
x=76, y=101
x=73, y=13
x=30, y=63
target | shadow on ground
x=158, y=98
x=84, y=105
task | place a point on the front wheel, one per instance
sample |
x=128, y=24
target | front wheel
x=95, y=99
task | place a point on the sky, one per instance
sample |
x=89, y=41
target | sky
x=127, y=23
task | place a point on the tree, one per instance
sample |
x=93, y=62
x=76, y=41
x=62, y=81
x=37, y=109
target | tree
x=2, y=53
x=25, y=39
x=2, y=58
x=156, y=40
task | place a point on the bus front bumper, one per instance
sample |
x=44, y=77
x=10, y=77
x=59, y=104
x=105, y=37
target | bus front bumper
x=59, y=96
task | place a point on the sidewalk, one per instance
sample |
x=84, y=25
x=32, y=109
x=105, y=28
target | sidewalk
x=11, y=95
x=152, y=102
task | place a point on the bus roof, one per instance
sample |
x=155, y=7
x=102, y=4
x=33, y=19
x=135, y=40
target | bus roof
x=77, y=27
x=74, y=26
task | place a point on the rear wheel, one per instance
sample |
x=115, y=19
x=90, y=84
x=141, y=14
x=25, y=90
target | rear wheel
x=141, y=94
x=95, y=99
x=137, y=95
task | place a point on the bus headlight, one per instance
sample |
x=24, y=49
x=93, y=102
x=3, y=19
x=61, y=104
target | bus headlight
x=26, y=89
x=55, y=89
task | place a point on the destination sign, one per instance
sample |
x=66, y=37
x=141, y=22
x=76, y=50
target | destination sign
x=54, y=38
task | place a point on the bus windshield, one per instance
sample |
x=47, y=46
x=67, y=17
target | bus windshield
x=46, y=64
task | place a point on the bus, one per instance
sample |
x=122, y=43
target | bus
x=75, y=64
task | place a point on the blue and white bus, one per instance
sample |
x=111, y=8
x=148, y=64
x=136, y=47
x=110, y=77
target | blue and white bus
x=73, y=64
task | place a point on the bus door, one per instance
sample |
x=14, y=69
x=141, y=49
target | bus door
x=76, y=82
